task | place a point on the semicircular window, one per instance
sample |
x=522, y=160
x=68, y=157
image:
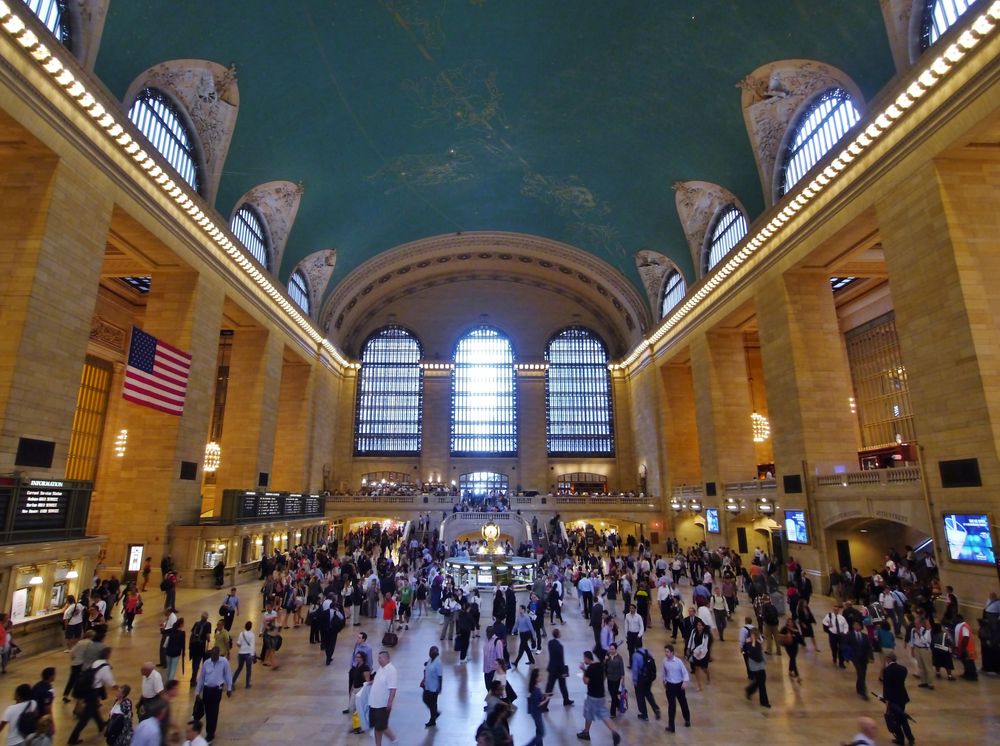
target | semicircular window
x=578, y=395
x=158, y=119
x=298, y=290
x=55, y=16
x=484, y=399
x=729, y=229
x=248, y=226
x=820, y=127
x=674, y=290
x=390, y=386
x=939, y=16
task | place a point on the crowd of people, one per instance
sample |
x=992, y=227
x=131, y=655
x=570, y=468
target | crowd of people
x=619, y=589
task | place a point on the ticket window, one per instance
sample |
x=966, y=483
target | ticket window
x=214, y=552
x=57, y=599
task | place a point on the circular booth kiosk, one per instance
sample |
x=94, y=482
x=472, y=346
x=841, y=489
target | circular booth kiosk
x=490, y=566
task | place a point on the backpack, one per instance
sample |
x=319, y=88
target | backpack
x=770, y=615
x=336, y=622
x=647, y=673
x=27, y=721
x=85, y=682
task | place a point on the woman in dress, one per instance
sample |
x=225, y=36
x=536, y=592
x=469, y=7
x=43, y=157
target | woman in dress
x=700, y=652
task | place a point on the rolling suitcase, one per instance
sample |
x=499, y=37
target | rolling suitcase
x=389, y=640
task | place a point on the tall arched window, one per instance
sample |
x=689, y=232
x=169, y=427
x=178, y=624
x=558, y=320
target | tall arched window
x=939, y=16
x=56, y=17
x=578, y=395
x=827, y=119
x=298, y=290
x=158, y=119
x=390, y=395
x=484, y=400
x=729, y=228
x=674, y=290
x=480, y=484
x=248, y=226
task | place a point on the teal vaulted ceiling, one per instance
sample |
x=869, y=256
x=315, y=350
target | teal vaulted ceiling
x=406, y=119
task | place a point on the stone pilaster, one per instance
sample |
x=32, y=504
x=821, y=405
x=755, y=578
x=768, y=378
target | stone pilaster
x=435, y=456
x=292, y=452
x=532, y=447
x=681, y=427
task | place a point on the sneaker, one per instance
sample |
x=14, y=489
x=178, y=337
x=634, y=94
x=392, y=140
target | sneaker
x=583, y=736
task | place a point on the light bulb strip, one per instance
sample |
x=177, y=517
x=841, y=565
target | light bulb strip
x=118, y=132
x=978, y=29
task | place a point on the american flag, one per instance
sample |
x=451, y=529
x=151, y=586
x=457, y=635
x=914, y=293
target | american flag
x=157, y=373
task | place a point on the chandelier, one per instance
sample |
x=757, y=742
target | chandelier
x=213, y=457
x=760, y=426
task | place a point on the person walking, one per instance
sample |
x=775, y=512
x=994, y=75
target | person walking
x=941, y=651
x=230, y=608
x=965, y=648
x=381, y=698
x=594, y=707
x=463, y=632
x=643, y=667
x=756, y=662
x=101, y=679
x=699, y=650
x=675, y=681
x=921, y=639
x=635, y=629
x=791, y=640
x=556, y=668
x=174, y=650
x=614, y=670
x=721, y=611
x=431, y=684
x=895, y=696
x=358, y=676
x=246, y=647
x=859, y=650
x=836, y=628
x=537, y=704
x=770, y=618
x=525, y=631
x=222, y=639
x=214, y=677
x=201, y=631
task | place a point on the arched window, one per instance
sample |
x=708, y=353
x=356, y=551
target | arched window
x=248, y=226
x=157, y=118
x=822, y=124
x=484, y=401
x=390, y=395
x=729, y=228
x=298, y=290
x=578, y=395
x=674, y=290
x=939, y=16
x=56, y=17
x=480, y=484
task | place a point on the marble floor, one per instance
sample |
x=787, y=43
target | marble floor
x=301, y=702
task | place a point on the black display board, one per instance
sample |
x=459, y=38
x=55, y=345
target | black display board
x=39, y=509
x=240, y=506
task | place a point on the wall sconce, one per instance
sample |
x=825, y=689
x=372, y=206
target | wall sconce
x=732, y=505
x=694, y=506
x=121, y=441
x=213, y=457
x=259, y=542
x=676, y=506
x=72, y=574
x=221, y=547
x=765, y=507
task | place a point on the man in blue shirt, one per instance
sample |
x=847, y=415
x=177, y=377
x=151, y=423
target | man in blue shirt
x=150, y=731
x=214, y=676
x=643, y=683
x=675, y=679
x=433, y=675
x=586, y=589
x=526, y=631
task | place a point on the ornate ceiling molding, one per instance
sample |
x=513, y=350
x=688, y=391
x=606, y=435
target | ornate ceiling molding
x=318, y=269
x=210, y=97
x=903, y=19
x=88, y=17
x=653, y=270
x=278, y=203
x=772, y=96
x=559, y=264
x=698, y=202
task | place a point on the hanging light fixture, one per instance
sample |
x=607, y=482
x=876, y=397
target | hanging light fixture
x=760, y=426
x=36, y=578
x=121, y=441
x=732, y=505
x=213, y=457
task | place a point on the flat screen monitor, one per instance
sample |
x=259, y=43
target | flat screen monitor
x=795, y=526
x=712, y=520
x=969, y=538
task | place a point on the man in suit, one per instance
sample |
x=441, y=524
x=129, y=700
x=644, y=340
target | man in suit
x=860, y=648
x=687, y=627
x=556, y=668
x=895, y=696
x=597, y=621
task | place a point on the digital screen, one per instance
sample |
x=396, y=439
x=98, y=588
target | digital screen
x=795, y=526
x=969, y=537
x=712, y=520
x=135, y=557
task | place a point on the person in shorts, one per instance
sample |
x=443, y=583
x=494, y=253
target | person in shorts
x=595, y=706
x=381, y=697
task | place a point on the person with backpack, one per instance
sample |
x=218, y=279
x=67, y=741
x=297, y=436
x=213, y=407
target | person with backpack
x=675, y=681
x=643, y=667
x=201, y=633
x=92, y=688
x=73, y=621
x=22, y=716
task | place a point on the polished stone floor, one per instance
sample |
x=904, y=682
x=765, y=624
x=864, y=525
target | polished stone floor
x=301, y=702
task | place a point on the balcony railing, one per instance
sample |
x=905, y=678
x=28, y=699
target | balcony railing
x=902, y=475
x=752, y=485
x=689, y=490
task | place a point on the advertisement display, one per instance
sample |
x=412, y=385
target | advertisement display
x=969, y=537
x=135, y=557
x=712, y=520
x=795, y=526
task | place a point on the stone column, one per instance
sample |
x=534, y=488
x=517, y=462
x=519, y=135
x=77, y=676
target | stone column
x=532, y=446
x=436, y=447
x=248, y=430
x=55, y=226
x=681, y=427
x=941, y=238
x=290, y=470
x=144, y=493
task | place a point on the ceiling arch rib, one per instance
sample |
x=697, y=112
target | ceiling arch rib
x=698, y=202
x=278, y=203
x=489, y=255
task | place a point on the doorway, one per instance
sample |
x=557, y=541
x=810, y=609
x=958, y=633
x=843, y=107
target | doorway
x=844, y=553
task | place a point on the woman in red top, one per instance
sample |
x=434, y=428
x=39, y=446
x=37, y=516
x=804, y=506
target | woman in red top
x=389, y=611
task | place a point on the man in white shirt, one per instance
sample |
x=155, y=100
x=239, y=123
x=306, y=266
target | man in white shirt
x=635, y=628
x=866, y=733
x=381, y=698
x=836, y=627
x=888, y=601
x=13, y=713
x=169, y=620
x=152, y=685
x=920, y=647
x=103, y=679
x=193, y=735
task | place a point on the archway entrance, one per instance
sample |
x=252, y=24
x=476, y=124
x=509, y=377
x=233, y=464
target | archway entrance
x=863, y=542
